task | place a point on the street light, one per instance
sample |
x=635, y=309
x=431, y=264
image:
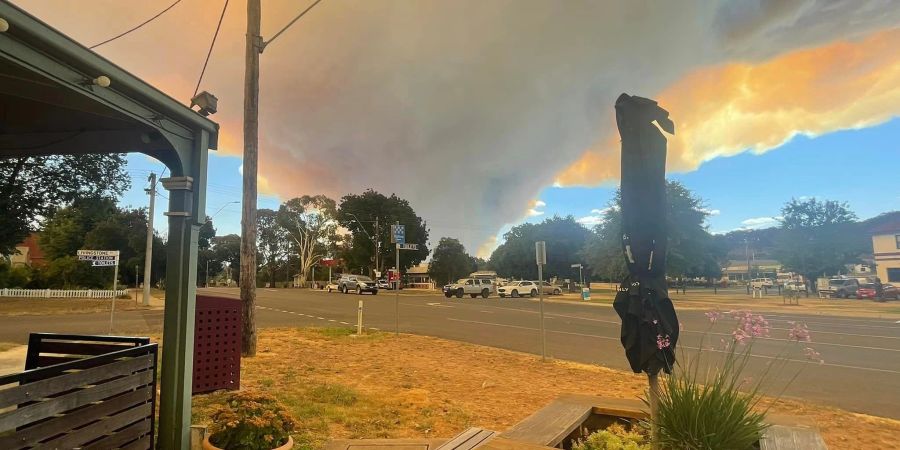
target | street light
x=221, y=208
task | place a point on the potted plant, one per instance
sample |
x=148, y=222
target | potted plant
x=250, y=420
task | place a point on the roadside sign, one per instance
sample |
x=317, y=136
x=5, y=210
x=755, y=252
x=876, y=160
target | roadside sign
x=111, y=253
x=104, y=263
x=540, y=252
x=398, y=234
x=407, y=246
x=576, y=266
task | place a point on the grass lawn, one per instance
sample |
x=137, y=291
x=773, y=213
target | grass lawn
x=12, y=306
x=382, y=386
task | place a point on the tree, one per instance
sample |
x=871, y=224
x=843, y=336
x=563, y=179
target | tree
x=272, y=240
x=227, y=251
x=311, y=223
x=369, y=207
x=811, y=213
x=34, y=188
x=819, y=238
x=692, y=251
x=450, y=261
x=565, y=239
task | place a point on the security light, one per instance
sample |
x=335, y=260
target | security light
x=102, y=81
x=207, y=102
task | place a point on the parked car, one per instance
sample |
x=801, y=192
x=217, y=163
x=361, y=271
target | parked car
x=840, y=288
x=760, y=283
x=516, y=289
x=332, y=286
x=551, y=289
x=866, y=290
x=383, y=283
x=472, y=286
x=358, y=283
x=890, y=291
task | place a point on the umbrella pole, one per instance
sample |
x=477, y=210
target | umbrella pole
x=653, y=380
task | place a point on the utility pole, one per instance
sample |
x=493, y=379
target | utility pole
x=148, y=250
x=207, y=272
x=251, y=157
x=397, y=288
x=377, y=247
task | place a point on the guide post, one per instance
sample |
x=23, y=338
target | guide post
x=105, y=258
x=540, y=251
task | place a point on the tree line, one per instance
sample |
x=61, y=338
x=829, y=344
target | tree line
x=813, y=238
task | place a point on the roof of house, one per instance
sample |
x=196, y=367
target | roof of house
x=417, y=270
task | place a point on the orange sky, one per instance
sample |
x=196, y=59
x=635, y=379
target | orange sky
x=491, y=102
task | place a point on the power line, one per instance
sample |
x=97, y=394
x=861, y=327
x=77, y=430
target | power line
x=211, y=45
x=291, y=23
x=137, y=27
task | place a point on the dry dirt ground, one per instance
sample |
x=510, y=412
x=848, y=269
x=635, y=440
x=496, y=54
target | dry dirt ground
x=703, y=299
x=381, y=386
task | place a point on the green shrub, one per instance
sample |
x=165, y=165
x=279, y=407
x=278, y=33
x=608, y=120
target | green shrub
x=250, y=420
x=614, y=437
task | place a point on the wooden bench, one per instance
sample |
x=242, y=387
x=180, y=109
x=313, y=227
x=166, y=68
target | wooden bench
x=552, y=424
x=469, y=439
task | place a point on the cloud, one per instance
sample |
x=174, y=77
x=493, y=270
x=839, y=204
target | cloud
x=533, y=212
x=711, y=212
x=760, y=222
x=727, y=109
x=483, y=104
x=540, y=203
x=596, y=217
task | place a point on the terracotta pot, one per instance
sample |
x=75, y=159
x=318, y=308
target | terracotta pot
x=287, y=445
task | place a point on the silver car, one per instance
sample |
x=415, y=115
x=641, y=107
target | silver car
x=358, y=283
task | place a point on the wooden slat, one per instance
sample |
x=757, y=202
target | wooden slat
x=44, y=409
x=43, y=388
x=80, y=348
x=27, y=437
x=123, y=436
x=500, y=443
x=140, y=444
x=100, y=428
x=468, y=439
x=551, y=424
x=44, y=361
x=780, y=437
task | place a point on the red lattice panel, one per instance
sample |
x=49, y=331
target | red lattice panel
x=217, y=344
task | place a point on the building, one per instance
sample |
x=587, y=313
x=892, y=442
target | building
x=28, y=253
x=737, y=270
x=886, y=247
x=418, y=277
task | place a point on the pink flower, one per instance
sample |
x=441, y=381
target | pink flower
x=799, y=332
x=713, y=316
x=662, y=341
x=813, y=355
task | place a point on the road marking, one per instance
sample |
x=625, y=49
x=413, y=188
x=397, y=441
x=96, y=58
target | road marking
x=344, y=323
x=320, y=318
x=441, y=305
x=332, y=320
x=873, y=369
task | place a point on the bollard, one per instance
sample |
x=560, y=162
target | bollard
x=359, y=318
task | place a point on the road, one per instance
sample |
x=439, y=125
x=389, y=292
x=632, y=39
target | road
x=860, y=372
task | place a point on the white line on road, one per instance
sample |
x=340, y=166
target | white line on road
x=873, y=369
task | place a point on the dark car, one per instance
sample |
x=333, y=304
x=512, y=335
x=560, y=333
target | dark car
x=841, y=288
x=890, y=291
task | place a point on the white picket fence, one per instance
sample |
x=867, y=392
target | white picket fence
x=61, y=293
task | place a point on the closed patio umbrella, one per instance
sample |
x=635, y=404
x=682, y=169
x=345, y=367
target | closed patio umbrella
x=649, y=324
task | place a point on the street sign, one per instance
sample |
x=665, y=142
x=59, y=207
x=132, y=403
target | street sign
x=98, y=253
x=104, y=263
x=398, y=234
x=407, y=246
x=540, y=252
x=576, y=266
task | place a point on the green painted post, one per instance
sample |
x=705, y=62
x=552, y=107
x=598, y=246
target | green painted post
x=178, y=324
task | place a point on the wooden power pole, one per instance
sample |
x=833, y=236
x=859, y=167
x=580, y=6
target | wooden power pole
x=251, y=157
